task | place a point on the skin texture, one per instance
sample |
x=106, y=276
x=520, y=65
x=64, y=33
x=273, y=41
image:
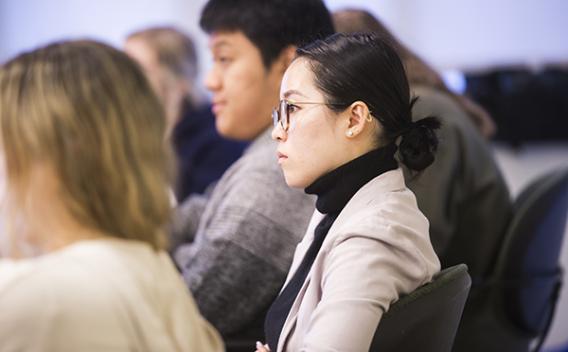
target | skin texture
x=318, y=139
x=262, y=348
x=244, y=90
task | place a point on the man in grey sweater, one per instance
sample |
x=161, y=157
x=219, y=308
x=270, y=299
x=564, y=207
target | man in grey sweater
x=235, y=244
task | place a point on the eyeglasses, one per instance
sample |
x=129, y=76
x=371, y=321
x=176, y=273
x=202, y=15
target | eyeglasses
x=281, y=114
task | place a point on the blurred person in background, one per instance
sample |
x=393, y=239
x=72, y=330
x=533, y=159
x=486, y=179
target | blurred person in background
x=86, y=167
x=417, y=70
x=169, y=59
x=235, y=245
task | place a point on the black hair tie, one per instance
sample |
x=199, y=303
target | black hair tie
x=419, y=142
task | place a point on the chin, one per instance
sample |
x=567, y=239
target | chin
x=295, y=182
x=230, y=128
x=223, y=127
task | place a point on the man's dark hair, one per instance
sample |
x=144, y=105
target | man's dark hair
x=271, y=25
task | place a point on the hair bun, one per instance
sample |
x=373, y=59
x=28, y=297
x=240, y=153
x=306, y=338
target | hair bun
x=419, y=143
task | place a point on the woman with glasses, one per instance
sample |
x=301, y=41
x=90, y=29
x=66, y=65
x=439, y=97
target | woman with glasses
x=342, y=125
x=82, y=265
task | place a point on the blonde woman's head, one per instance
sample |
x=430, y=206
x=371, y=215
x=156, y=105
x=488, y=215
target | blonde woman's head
x=83, y=113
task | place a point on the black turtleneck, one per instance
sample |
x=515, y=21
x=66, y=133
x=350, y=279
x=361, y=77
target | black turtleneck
x=333, y=191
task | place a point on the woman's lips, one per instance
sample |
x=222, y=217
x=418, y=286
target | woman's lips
x=281, y=157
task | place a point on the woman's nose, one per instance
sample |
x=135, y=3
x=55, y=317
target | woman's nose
x=278, y=133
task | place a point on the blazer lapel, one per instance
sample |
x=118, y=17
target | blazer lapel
x=290, y=322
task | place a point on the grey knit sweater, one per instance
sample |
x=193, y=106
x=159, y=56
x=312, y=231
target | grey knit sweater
x=235, y=244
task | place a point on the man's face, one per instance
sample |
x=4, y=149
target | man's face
x=165, y=85
x=138, y=50
x=244, y=91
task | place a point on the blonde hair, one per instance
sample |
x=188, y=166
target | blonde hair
x=87, y=110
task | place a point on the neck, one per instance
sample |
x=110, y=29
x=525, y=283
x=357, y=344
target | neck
x=69, y=235
x=336, y=188
x=262, y=131
x=30, y=236
x=37, y=220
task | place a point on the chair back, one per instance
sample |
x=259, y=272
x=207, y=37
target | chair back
x=513, y=309
x=528, y=272
x=427, y=319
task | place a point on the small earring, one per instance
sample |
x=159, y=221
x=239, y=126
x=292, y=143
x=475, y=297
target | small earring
x=350, y=133
x=369, y=118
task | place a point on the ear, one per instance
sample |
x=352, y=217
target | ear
x=358, y=118
x=285, y=58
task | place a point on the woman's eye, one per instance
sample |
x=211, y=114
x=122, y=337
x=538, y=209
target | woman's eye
x=292, y=108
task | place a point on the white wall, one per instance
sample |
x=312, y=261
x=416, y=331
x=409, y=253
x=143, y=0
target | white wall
x=475, y=33
x=450, y=34
x=24, y=24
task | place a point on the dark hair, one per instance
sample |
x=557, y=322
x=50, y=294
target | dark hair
x=271, y=25
x=417, y=70
x=365, y=67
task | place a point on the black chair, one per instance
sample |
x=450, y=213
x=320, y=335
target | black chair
x=424, y=320
x=514, y=309
x=427, y=319
x=244, y=341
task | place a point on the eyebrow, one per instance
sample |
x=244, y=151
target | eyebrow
x=288, y=93
x=220, y=44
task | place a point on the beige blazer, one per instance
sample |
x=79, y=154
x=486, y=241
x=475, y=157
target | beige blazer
x=377, y=249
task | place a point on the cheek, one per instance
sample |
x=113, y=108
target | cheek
x=250, y=99
x=243, y=83
x=157, y=83
x=312, y=154
x=244, y=91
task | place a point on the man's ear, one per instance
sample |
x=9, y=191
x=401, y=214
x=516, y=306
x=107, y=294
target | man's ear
x=358, y=116
x=285, y=58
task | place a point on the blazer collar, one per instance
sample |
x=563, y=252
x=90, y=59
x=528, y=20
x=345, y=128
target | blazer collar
x=387, y=182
